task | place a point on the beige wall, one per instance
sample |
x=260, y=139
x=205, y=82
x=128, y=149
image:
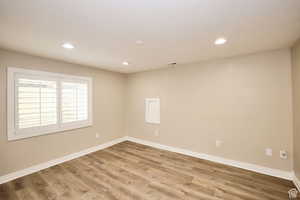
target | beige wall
x=296, y=101
x=108, y=106
x=244, y=101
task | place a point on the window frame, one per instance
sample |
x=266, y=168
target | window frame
x=13, y=133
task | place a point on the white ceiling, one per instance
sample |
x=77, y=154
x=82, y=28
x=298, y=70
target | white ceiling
x=183, y=31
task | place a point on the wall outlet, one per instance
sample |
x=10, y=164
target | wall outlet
x=97, y=135
x=283, y=154
x=268, y=152
x=156, y=132
x=219, y=143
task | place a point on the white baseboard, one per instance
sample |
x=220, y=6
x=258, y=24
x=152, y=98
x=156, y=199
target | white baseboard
x=36, y=168
x=243, y=165
x=296, y=181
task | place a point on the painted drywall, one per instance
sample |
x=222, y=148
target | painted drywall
x=296, y=105
x=108, y=115
x=245, y=102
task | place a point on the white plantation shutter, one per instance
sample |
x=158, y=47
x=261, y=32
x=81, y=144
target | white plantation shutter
x=36, y=103
x=41, y=103
x=74, y=97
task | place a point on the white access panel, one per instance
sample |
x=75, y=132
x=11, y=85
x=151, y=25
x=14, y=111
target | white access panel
x=152, y=112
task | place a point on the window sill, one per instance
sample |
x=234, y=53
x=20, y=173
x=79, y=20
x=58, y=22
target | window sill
x=13, y=136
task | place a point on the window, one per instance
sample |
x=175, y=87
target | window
x=74, y=102
x=152, y=110
x=41, y=103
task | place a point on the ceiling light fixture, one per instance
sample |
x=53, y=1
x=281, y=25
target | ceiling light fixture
x=67, y=46
x=220, y=41
x=125, y=63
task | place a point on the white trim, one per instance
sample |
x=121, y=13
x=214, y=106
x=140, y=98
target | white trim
x=10, y=101
x=296, y=181
x=36, y=168
x=243, y=165
x=12, y=131
x=49, y=74
x=49, y=131
x=256, y=168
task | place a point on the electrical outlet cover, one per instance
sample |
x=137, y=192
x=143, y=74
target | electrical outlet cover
x=269, y=152
x=283, y=154
x=218, y=143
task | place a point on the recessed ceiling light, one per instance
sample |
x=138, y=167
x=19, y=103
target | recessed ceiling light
x=125, y=63
x=67, y=46
x=220, y=41
x=139, y=42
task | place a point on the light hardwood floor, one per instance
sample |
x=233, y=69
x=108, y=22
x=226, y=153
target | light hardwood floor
x=132, y=171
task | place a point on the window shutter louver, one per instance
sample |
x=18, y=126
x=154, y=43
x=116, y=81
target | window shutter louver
x=74, y=102
x=36, y=103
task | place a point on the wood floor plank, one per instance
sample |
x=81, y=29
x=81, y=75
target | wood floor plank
x=6, y=192
x=25, y=194
x=130, y=171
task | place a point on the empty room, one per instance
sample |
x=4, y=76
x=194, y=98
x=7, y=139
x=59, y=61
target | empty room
x=149, y=99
